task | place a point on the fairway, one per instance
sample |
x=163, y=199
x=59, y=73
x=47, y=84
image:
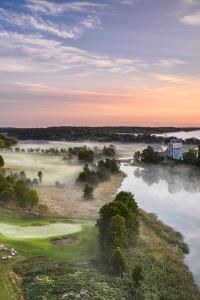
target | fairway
x=37, y=232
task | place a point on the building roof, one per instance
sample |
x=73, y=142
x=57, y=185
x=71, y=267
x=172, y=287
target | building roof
x=176, y=140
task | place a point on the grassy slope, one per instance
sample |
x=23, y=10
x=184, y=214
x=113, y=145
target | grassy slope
x=8, y=286
x=158, y=252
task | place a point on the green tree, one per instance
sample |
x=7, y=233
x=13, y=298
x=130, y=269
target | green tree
x=88, y=192
x=109, y=151
x=129, y=210
x=88, y=176
x=137, y=156
x=2, y=144
x=103, y=174
x=20, y=188
x=118, y=262
x=118, y=224
x=3, y=182
x=111, y=165
x=1, y=162
x=86, y=155
x=190, y=157
x=9, y=141
x=148, y=155
x=40, y=176
x=117, y=233
x=30, y=199
x=22, y=175
x=8, y=194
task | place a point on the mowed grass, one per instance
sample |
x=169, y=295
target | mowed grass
x=33, y=237
x=38, y=231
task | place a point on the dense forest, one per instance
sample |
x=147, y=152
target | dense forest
x=104, y=134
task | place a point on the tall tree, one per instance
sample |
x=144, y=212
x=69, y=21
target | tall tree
x=1, y=162
x=40, y=176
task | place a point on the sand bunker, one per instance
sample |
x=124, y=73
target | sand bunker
x=64, y=241
x=40, y=232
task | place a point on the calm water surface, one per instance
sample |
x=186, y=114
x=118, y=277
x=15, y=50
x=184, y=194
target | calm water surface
x=173, y=193
x=183, y=134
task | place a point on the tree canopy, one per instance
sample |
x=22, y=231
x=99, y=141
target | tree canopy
x=1, y=162
x=148, y=155
x=118, y=226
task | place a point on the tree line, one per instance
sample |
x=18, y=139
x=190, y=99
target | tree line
x=7, y=141
x=16, y=189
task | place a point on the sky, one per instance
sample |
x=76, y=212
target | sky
x=98, y=63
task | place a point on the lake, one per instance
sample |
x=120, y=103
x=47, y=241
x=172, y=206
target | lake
x=182, y=134
x=173, y=193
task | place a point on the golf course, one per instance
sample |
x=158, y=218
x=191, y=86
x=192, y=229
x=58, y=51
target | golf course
x=37, y=237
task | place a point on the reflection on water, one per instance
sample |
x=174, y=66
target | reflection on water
x=178, y=178
x=173, y=193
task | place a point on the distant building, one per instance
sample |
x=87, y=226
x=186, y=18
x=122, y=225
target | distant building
x=158, y=149
x=175, y=149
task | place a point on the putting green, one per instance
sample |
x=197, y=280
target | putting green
x=38, y=232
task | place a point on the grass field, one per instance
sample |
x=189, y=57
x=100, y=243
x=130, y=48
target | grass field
x=26, y=236
x=33, y=238
x=38, y=231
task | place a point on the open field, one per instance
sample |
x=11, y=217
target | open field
x=53, y=167
x=64, y=200
x=67, y=201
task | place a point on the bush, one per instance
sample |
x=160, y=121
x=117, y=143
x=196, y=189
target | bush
x=137, y=276
x=30, y=199
x=110, y=165
x=1, y=162
x=88, y=176
x=8, y=194
x=88, y=192
x=109, y=151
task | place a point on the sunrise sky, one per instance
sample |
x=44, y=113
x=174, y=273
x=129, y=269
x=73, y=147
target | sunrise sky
x=106, y=62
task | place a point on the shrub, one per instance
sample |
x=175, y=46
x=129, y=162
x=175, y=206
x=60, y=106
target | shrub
x=1, y=162
x=88, y=192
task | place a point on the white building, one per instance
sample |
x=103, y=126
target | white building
x=175, y=149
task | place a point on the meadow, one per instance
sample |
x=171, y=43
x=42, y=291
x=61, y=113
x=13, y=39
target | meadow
x=53, y=167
